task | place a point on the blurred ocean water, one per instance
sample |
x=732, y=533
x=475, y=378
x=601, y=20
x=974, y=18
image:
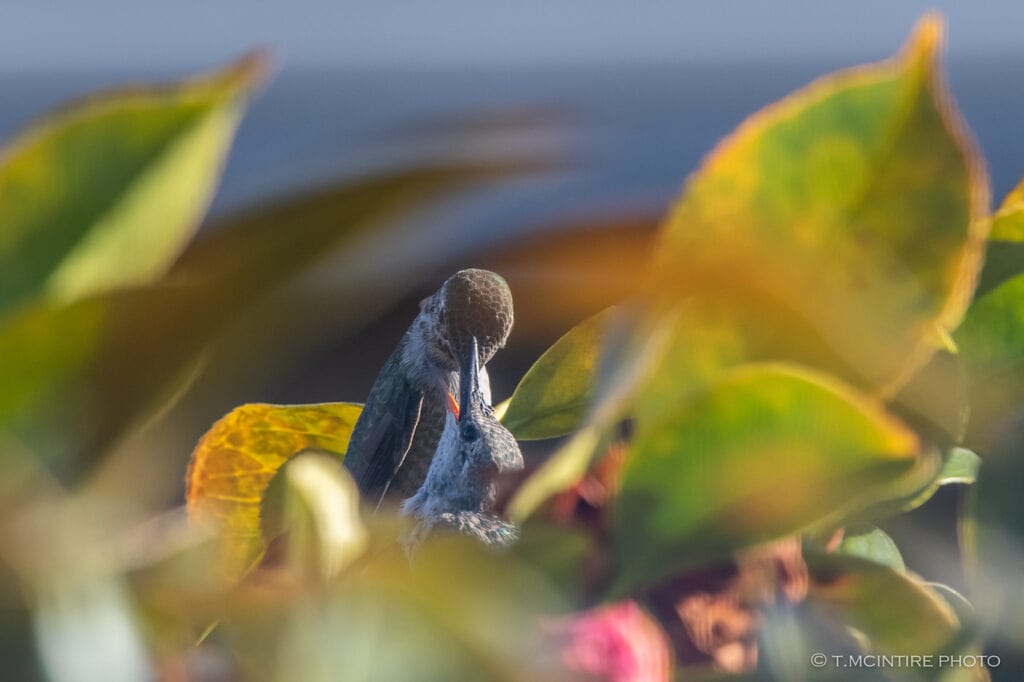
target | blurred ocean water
x=638, y=129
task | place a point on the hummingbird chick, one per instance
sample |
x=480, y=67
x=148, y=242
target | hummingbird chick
x=459, y=489
x=462, y=324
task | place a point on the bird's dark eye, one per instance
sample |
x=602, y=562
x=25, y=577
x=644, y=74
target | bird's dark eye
x=470, y=432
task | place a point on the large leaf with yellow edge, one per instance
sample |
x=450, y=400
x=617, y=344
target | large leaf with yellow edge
x=841, y=228
x=106, y=192
x=859, y=202
x=765, y=451
x=236, y=459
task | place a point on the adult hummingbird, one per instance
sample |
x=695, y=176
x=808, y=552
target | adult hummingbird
x=461, y=326
x=459, y=489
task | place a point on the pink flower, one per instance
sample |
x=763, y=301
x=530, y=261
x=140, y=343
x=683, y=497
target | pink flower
x=619, y=643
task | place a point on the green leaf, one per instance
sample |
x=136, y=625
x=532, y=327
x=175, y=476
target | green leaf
x=1004, y=257
x=105, y=193
x=961, y=466
x=957, y=466
x=897, y=612
x=234, y=462
x=631, y=358
x=551, y=399
x=766, y=451
x=99, y=364
x=991, y=340
x=321, y=515
x=857, y=204
x=873, y=544
x=1008, y=221
x=1003, y=261
x=457, y=613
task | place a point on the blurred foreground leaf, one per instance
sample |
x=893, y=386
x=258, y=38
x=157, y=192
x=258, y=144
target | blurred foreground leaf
x=457, y=613
x=841, y=228
x=321, y=516
x=86, y=630
x=766, y=451
x=990, y=339
x=858, y=202
x=994, y=538
x=123, y=354
x=235, y=461
x=898, y=613
x=106, y=192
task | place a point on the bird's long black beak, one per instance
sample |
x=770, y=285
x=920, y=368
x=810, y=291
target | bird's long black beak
x=469, y=375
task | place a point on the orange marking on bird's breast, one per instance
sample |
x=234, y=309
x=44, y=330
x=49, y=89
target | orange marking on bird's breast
x=453, y=405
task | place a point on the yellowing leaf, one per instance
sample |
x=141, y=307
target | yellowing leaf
x=858, y=202
x=841, y=228
x=236, y=459
x=105, y=193
x=766, y=451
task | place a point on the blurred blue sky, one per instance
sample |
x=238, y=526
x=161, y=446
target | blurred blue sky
x=139, y=34
x=649, y=86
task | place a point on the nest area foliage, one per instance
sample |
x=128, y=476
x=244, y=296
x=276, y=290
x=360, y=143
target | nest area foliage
x=828, y=330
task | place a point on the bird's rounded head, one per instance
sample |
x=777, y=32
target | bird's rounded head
x=477, y=303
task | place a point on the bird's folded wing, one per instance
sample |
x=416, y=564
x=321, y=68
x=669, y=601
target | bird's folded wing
x=384, y=431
